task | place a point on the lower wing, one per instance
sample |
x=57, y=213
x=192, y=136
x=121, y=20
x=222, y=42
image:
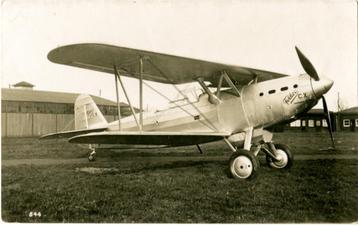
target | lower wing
x=149, y=138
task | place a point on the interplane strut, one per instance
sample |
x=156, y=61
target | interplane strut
x=125, y=93
x=117, y=97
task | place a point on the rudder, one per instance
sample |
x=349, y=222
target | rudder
x=87, y=114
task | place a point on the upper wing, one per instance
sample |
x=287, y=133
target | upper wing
x=148, y=138
x=157, y=67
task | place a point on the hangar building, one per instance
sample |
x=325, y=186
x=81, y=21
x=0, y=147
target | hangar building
x=347, y=120
x=314, y=120
x=26, y=112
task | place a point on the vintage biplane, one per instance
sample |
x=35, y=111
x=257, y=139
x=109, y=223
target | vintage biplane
x=238, y=104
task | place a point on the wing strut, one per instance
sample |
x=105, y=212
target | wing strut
x=141, y=94
x=218, y=89
x=125, y=93
x=118, y=104
x=166, y=77
x=229, y=81
x=212, y=98
x=208, y=125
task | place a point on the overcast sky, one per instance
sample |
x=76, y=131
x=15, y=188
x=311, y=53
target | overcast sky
x=258, y=34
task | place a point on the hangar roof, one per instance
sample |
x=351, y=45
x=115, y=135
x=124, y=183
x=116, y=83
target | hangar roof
x=318, y=111
x=28, y=95
x=23, y=84
x=353, y=110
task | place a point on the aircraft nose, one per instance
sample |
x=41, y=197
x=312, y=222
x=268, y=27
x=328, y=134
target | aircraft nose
x=322, y=86
x=327, y=84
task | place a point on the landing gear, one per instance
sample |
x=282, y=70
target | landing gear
x=91, y=156
x=284, y=157
x=243, y=164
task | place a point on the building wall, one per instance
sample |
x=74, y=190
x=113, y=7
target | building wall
x=3, y=125
x=347, y=122
x=311, y=123
x=340, y=122
x=37, y=124
x=65, y=122
x=25, y=119
x=36, y=107
x=18, y=124
x=43, y=124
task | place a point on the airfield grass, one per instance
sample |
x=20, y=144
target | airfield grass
x=183, y=191
x=299, y=142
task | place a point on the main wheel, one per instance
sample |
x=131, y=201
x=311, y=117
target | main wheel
x=243, y=164
x=285, y=157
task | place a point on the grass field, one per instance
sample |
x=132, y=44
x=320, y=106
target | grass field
x=131, y=186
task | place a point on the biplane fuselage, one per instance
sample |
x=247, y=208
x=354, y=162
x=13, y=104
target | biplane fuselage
x=260, y=105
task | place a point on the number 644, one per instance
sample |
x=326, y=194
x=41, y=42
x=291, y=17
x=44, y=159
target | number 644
x=35, y=214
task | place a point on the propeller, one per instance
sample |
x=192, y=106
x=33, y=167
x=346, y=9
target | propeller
x=311, y=71
x=307, y=65
x=328, y=119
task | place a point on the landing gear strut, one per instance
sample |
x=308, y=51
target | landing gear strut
x=91, y=156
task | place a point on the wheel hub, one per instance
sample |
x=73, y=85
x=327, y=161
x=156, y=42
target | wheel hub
x=282, y=159
x=242, y=166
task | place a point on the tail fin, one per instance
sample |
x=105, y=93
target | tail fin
x=87, y=114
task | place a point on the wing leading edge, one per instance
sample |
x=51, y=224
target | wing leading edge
x=157, y=67
x=148, y=138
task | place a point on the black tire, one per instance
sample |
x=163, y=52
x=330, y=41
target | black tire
x=246, y=167
x=282, y=149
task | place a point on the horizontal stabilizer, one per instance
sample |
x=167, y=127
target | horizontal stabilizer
x=149, y=138
x=71, y=133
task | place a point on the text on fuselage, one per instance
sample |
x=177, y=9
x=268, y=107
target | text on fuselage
x=292, y=96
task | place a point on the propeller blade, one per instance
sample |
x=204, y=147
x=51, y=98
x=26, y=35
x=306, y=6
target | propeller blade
x=328, y=119
x=307, y=65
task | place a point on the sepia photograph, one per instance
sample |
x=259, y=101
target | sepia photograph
x=165, y=111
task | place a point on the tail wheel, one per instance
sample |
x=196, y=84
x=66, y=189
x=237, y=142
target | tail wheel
x=91, y=158
x=284, y=155
x=92, y=155
x=243, y=164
